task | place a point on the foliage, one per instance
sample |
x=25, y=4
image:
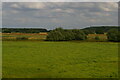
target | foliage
x=86, y=31
x=114, y=35
x=79, y=34
x=56, y=35
x=97, y=38
x=60, y=34
x=23, y=30
x=99, y=29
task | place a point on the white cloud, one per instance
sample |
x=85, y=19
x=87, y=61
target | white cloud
x=110, y=6
x=15, y=6
x=28, y=5
x=59, y=13
x=35, y=6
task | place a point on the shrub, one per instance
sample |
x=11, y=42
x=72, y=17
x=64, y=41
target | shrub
x=79, y=34
x=113, y=35
x=60, y=34
x=97, y=38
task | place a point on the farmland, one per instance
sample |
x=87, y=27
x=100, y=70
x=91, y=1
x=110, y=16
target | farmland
x=29, y=36
x=72, y=59
x=43, y=35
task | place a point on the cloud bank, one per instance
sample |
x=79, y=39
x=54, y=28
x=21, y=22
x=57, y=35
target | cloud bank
x=60, y=0
x=59, y=14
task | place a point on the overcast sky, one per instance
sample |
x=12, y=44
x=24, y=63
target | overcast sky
x=50, y=15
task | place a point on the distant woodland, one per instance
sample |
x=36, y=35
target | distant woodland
x=23, y=30
x=59, y=34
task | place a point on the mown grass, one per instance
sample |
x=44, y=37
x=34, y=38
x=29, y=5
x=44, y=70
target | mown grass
x=34, y=59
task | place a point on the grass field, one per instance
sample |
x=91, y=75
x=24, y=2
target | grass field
x=35, y=59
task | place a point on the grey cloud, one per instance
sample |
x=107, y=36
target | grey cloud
x=60, y=1
x=66, y=14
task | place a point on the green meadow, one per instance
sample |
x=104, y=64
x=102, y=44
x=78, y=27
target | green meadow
x=42, y=59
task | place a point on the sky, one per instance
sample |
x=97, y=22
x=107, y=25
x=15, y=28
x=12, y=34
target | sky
x=60, y=0
x=49, y=15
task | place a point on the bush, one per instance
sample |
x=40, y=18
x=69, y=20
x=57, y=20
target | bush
x=97, y=38
x=114, y=35
x=60, y=34
x=79, y=34
x=56, y=35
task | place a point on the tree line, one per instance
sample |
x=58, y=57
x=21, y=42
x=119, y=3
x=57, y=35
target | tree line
x=23, y=30
x=99, y=29
x=60, y=34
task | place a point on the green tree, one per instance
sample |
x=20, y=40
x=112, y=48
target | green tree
x=88, y=31
x=114, y=35
x=60, y=34
x=99, y=31
x=56, y=35
x=79, y=34
x=69, y=35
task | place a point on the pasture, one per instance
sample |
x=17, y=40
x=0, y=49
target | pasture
x=40, y=59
